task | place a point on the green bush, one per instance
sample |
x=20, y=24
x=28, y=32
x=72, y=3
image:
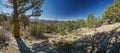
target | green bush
x=35, y=31
x=65, y=46
x=62, y=33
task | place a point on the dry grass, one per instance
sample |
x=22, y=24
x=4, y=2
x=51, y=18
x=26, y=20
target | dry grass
x=3, y=38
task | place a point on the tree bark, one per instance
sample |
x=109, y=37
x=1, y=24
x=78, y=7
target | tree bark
x=16, y=21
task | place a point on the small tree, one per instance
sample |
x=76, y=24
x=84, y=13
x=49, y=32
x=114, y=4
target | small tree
x=91, y=20
x=3, y=18
x=69, y=26
x=81, y=23
x=24, y=20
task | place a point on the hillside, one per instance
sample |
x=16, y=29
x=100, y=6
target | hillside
x=61, y=26
x=104, y=38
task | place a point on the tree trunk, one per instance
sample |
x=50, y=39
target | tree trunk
x=16, y=21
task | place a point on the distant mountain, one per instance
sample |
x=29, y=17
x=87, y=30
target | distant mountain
x=51, y=21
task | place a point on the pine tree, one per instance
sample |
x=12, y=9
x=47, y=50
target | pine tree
x=91, y=20
x=21, y=6
x=112, y=13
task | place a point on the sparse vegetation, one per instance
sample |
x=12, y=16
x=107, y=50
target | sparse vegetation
x=65, y=46
x=3, y=39
x=35, y=31
x=78, y=36
x=62, y=33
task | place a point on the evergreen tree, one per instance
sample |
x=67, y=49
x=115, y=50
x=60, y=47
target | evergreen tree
x=21, y=6
x=112, y=13
x=81, y=23
x=91, y=20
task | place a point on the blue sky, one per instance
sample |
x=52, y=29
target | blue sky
x=69, y=9
x=73, y=9
x=3, y=8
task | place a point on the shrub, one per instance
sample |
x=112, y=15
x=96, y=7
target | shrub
x=64, y=46
x=62, y=33
x=35, y=31
x=3, y=39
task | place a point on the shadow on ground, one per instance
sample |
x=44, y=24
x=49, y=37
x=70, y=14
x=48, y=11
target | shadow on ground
x=100, y=43
x=22, y=46
x=105, y=42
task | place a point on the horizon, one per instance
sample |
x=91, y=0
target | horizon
x=72, y=10
x=59, y=26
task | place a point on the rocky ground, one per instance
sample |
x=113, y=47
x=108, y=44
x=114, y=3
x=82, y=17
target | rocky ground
x=104, y=39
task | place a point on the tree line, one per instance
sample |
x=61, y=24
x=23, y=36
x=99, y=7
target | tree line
x=110, y=16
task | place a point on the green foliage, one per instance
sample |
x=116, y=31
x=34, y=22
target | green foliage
x=91, y=20
x=44, y=28
x=53, y=27
x=11, y=28
x=35, y=31
x=5, y=21
x=69, y=26
x=65, y=46
x=50, y=28
x=99, y=22
x=62, y=33
x=61, y=28
x=81, y=23
x=24, y=20
x=24, y=5
x=3, y=18
x=111, y=14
